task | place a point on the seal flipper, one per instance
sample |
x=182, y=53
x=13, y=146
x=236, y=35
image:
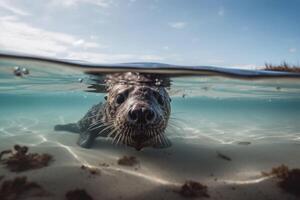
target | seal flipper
x=86, y=139
x=72, y=127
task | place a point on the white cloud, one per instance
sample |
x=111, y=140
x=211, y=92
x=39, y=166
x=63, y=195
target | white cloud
x=71, y=3
x=245, y=66
x=112, y=58
x=17, y=36
x=178, y=25
x=98, y=57
x=82, y=43
x=7, y=5
x=150, y=57
x=221, y=11
x=292, y=50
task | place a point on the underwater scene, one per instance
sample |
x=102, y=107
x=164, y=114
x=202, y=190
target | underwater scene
x=75, y=130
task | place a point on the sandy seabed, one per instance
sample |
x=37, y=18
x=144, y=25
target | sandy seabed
x=229, y=171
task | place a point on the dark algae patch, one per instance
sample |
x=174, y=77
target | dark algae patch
x=78, y=194
x=223, y=156
x=244, y=143
x=192, y=189
x=289, y=178
x=19, y=159
x=103, y=164
x=92, y=171
x=19, y=188
x=128, y=161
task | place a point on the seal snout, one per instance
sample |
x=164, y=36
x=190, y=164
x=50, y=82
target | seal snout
x=141, y=114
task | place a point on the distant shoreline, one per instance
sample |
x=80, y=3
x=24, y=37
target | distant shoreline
x=284, y=67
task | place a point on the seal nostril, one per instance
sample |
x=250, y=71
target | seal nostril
x=141, y=115
x=149, y=115
x=133, y=115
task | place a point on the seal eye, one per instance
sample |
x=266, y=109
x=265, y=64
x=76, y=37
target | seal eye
x=120, y=99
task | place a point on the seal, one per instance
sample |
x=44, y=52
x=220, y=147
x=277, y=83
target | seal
x=136, y=112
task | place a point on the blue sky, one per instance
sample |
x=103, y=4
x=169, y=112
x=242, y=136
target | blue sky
x=230, y=33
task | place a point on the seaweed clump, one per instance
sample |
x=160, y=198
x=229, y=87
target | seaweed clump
x=104, y=164
x=20, y=160
x=284, y=67
x=128, y=161
x=193, y=189
x=92, y=171
x=78, y=194
x=19, y=187
x=289, y=178
x=223, y=156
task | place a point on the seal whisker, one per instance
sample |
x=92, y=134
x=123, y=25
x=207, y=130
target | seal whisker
x=113, y=139
x=156, y=140
x=163, y=139
x=157, y=135
x=117, y=136
x=105, y=131
x=112, y=132
x=97, y=122
x=129, y=132
x=90, y=117
x=102, y=124
x=153, y=133
x=176, y=122
x=150, y=133
x=127, y=140
x=99, y=125
x=96, y=127
x=125, y=131
x=174, y=126
x=159, y=138
x=124, y=137
x=147, y=133
x=106, y=128
x=118, y=139
x=131, y=140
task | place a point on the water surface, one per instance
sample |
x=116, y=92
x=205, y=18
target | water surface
x=250, y=116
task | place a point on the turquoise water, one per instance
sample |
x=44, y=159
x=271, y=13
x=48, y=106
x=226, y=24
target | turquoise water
x=254, y=121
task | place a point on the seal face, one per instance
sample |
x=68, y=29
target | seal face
x=136, y=112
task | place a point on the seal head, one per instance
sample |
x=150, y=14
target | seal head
x=138, y=113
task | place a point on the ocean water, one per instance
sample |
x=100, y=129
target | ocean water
x=251, y=117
